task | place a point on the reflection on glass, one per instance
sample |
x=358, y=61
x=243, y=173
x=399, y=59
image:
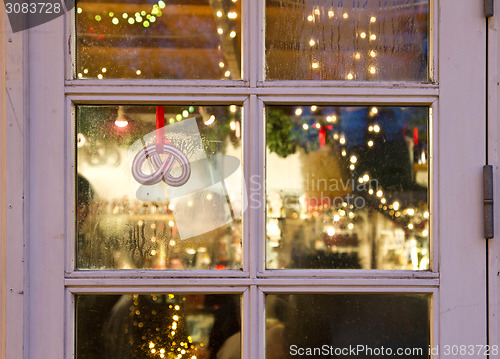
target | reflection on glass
x=369, y=40
x=347, y=187
x=138, y=326
x=198, y=39
x=124, y=222
x=326, y=325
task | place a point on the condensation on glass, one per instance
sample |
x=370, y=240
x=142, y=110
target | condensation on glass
x=131, y=214
x=164, y=39
x=347, y=187
x=347, y=325
x=363, y=40
x=160, y=325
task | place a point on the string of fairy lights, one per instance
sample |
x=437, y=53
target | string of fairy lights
x=411, y=217
x=178, y=345
x=367, y=35
x=149, y=18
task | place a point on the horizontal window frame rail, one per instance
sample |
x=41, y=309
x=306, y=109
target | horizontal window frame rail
x=153, y=89
x=348, y=283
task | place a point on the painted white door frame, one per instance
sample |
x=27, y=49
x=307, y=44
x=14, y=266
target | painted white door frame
x=38, y=79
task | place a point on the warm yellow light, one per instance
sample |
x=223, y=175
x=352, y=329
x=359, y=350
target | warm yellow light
x=318, y=126
x=86, y=71
x=232, y=108
x=79, y=10
x=373, y=53
x=232, y=15
x=138, y=72
x=357, y=55
x=383, y=200
x=373, y=19
x=316, y=11
x=344, y=153
x=232, y=34
x=410, y=226
x=153, y=252
x=376, y=128
x=177, y=307
x=80, y=75
x=305, y=126
x=395, y=205
x=425, y=233
x=175, y=317
x=153, y=351
x=373, y=70
x=312, y=42
x=374, y=110
x=370, y=143
x=315, y=65
x=162, y=351
x=342, y=140
x=124, y=15
x=221, y=64
x=131, y=21
x=350, y=226
x=370, y=191
x=103, y=69
x=298, y=112
x=350, y=76
x=336, y=218
x=380, y=193
x=362, y=35
x=219, y=13
x=151, y=345
x=227, y=73
x=171, y=223
x=353, y=159
x=351, y=167
x=99, y=76
x=220, y=31
x=330, y=14
x=345, y=16
x=210, y=120
x=314, y=108
x=373, y=37
x=410, y=211
x=115, y=21
x=310, y=18
x=232, y=125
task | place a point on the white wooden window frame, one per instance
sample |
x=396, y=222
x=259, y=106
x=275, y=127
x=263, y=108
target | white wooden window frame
x=456, y=95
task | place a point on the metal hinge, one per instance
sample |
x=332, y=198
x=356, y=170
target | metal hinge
x=489, y=229
x=489, y=10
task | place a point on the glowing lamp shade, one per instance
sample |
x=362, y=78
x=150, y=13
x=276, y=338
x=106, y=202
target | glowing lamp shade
x=121, y=121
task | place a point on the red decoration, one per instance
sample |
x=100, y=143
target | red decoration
x=160, y=128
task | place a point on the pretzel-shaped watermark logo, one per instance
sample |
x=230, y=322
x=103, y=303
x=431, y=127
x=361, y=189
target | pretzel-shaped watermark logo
x=161, y=169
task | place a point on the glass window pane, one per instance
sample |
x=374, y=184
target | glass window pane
x=347, y=325
x=368, y=40
x=197, y=39
x=347, y=187
x=180, y=209
x=138, y=326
